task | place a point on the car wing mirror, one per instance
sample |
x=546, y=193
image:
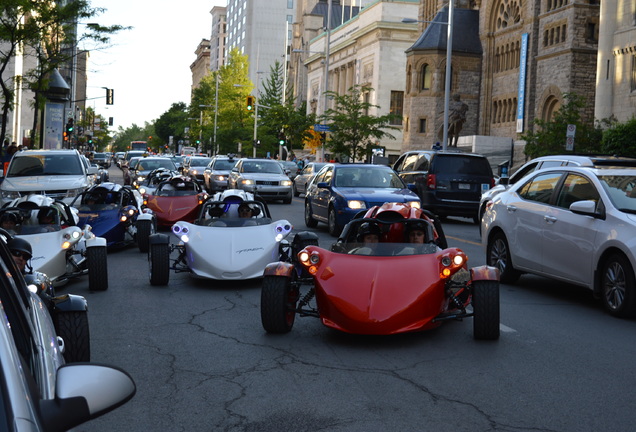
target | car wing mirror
x=586, y=208
x=322, y=185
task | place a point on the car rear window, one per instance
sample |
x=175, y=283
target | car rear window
x=34, y=165
x=468, y=165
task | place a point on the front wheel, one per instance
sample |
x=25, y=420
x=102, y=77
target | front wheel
x=145, y=228
x=486, y=309
x=278, y=304
x=96, y=257
x=617, y=286
x=309, y=216
x=159, y=263
x=73, y=328
x=334, y=228
x=498, y=255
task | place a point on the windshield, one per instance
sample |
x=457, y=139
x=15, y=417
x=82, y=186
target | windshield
x=621, y=190
x=367, y=177
x=387, y=249
x=223, y=164
x=44, y=164
x=153, y=164
x=200, y=161
x=267, y=167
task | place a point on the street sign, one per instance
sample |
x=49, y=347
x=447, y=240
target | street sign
x=569, y=143
x=322, y=128
x=571, y=131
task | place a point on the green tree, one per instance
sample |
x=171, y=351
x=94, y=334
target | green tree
x=549, y=137
x=620, y=139
x=47, y=31
x=352, y=128
x=172, y=123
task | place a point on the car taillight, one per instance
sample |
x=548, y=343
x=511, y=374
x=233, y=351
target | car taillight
x=430, y=181
x=492, y=182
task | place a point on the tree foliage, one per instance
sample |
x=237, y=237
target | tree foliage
x=620, y=139
x=549, y=137
x=172, y=123
x=352, y=128
x=46, y=31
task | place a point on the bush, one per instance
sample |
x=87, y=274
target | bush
x=620, y=139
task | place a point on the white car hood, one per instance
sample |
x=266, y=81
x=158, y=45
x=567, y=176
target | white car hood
x=38, y=183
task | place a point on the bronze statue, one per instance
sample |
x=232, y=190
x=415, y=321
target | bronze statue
x=456, y=118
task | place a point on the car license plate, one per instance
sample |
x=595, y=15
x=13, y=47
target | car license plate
x=463, y=186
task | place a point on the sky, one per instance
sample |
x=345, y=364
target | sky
x=148, y=67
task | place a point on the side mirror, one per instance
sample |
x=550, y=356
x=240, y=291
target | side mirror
x=92, y=170
x=586, y=208
x=322, y=185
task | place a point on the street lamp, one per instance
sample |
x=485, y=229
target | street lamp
x=449, y=52
x=208, y=106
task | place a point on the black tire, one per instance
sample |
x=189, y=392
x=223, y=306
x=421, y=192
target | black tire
x=334, y=228
x=97, y=260
x=498, y=255
x=618, y=286
x=159, y=264
x=296, y=193
x=486, y=310
x=73, y=328
x=145, y=229
x=310, y=222
x=278, y=304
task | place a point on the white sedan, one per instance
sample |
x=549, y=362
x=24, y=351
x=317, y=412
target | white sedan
x=573, y=224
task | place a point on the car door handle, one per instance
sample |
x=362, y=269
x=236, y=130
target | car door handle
x=549, y=219
x=511, y=209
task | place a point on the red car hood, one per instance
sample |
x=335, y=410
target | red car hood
x=379, y=295
x=173, y=209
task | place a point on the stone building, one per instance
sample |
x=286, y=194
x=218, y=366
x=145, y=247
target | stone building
x=561, y=48
x=200, y=67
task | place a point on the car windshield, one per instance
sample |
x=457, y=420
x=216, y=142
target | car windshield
x=44, y=164
x=200, y=161
x=387, y=249
x=223, y=164
x=153, y=164
x=367, y=177
x=621, y=190
x=267, y=167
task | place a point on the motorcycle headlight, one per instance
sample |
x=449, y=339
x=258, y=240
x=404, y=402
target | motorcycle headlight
x=356, y=205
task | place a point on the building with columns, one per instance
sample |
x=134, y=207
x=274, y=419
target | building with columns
x=616, y=68
x=367, y=50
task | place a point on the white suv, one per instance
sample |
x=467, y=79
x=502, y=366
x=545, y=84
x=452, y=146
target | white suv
x=59, y=174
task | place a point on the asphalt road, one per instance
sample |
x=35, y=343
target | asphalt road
x=202, y=361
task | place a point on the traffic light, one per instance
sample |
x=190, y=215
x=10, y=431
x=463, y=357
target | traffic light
x=250, y=103
x=65, y=136
x=110, y=96
x=89, y=138
x=69, y=126
x=281, y=138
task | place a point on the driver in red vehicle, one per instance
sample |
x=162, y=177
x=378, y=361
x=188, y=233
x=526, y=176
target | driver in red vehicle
x=369, y=235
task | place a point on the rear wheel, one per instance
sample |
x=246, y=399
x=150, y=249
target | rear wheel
x=618, y=286
x=159, y=263
x=278, y=304
x=334, y=228
x=96, y=258
x=145, y=229
x=73, y=328
x=309, y=216
x=486, y=309
x=498, y=255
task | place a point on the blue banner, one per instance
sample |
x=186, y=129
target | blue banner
x=521, y=92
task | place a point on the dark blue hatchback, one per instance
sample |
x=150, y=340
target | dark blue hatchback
x=340, y=191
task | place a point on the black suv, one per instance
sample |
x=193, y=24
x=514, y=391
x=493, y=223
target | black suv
x=448, y=183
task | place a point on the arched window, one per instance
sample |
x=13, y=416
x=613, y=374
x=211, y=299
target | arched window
x=552, y=105
x=425, y=77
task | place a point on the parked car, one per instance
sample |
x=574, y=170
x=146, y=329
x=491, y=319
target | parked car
x=573, y=224
x=216, y=173
x=116, y=213
x=548, y=162
x=193, y=166
x=59, y=174
x=449, y=183
x=395, y=286
x=39, y=392
x=340, y=191
x=243, y=246
x=306, y=175
x=264, y=177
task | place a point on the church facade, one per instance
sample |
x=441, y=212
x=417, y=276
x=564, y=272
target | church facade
x=511, y=63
